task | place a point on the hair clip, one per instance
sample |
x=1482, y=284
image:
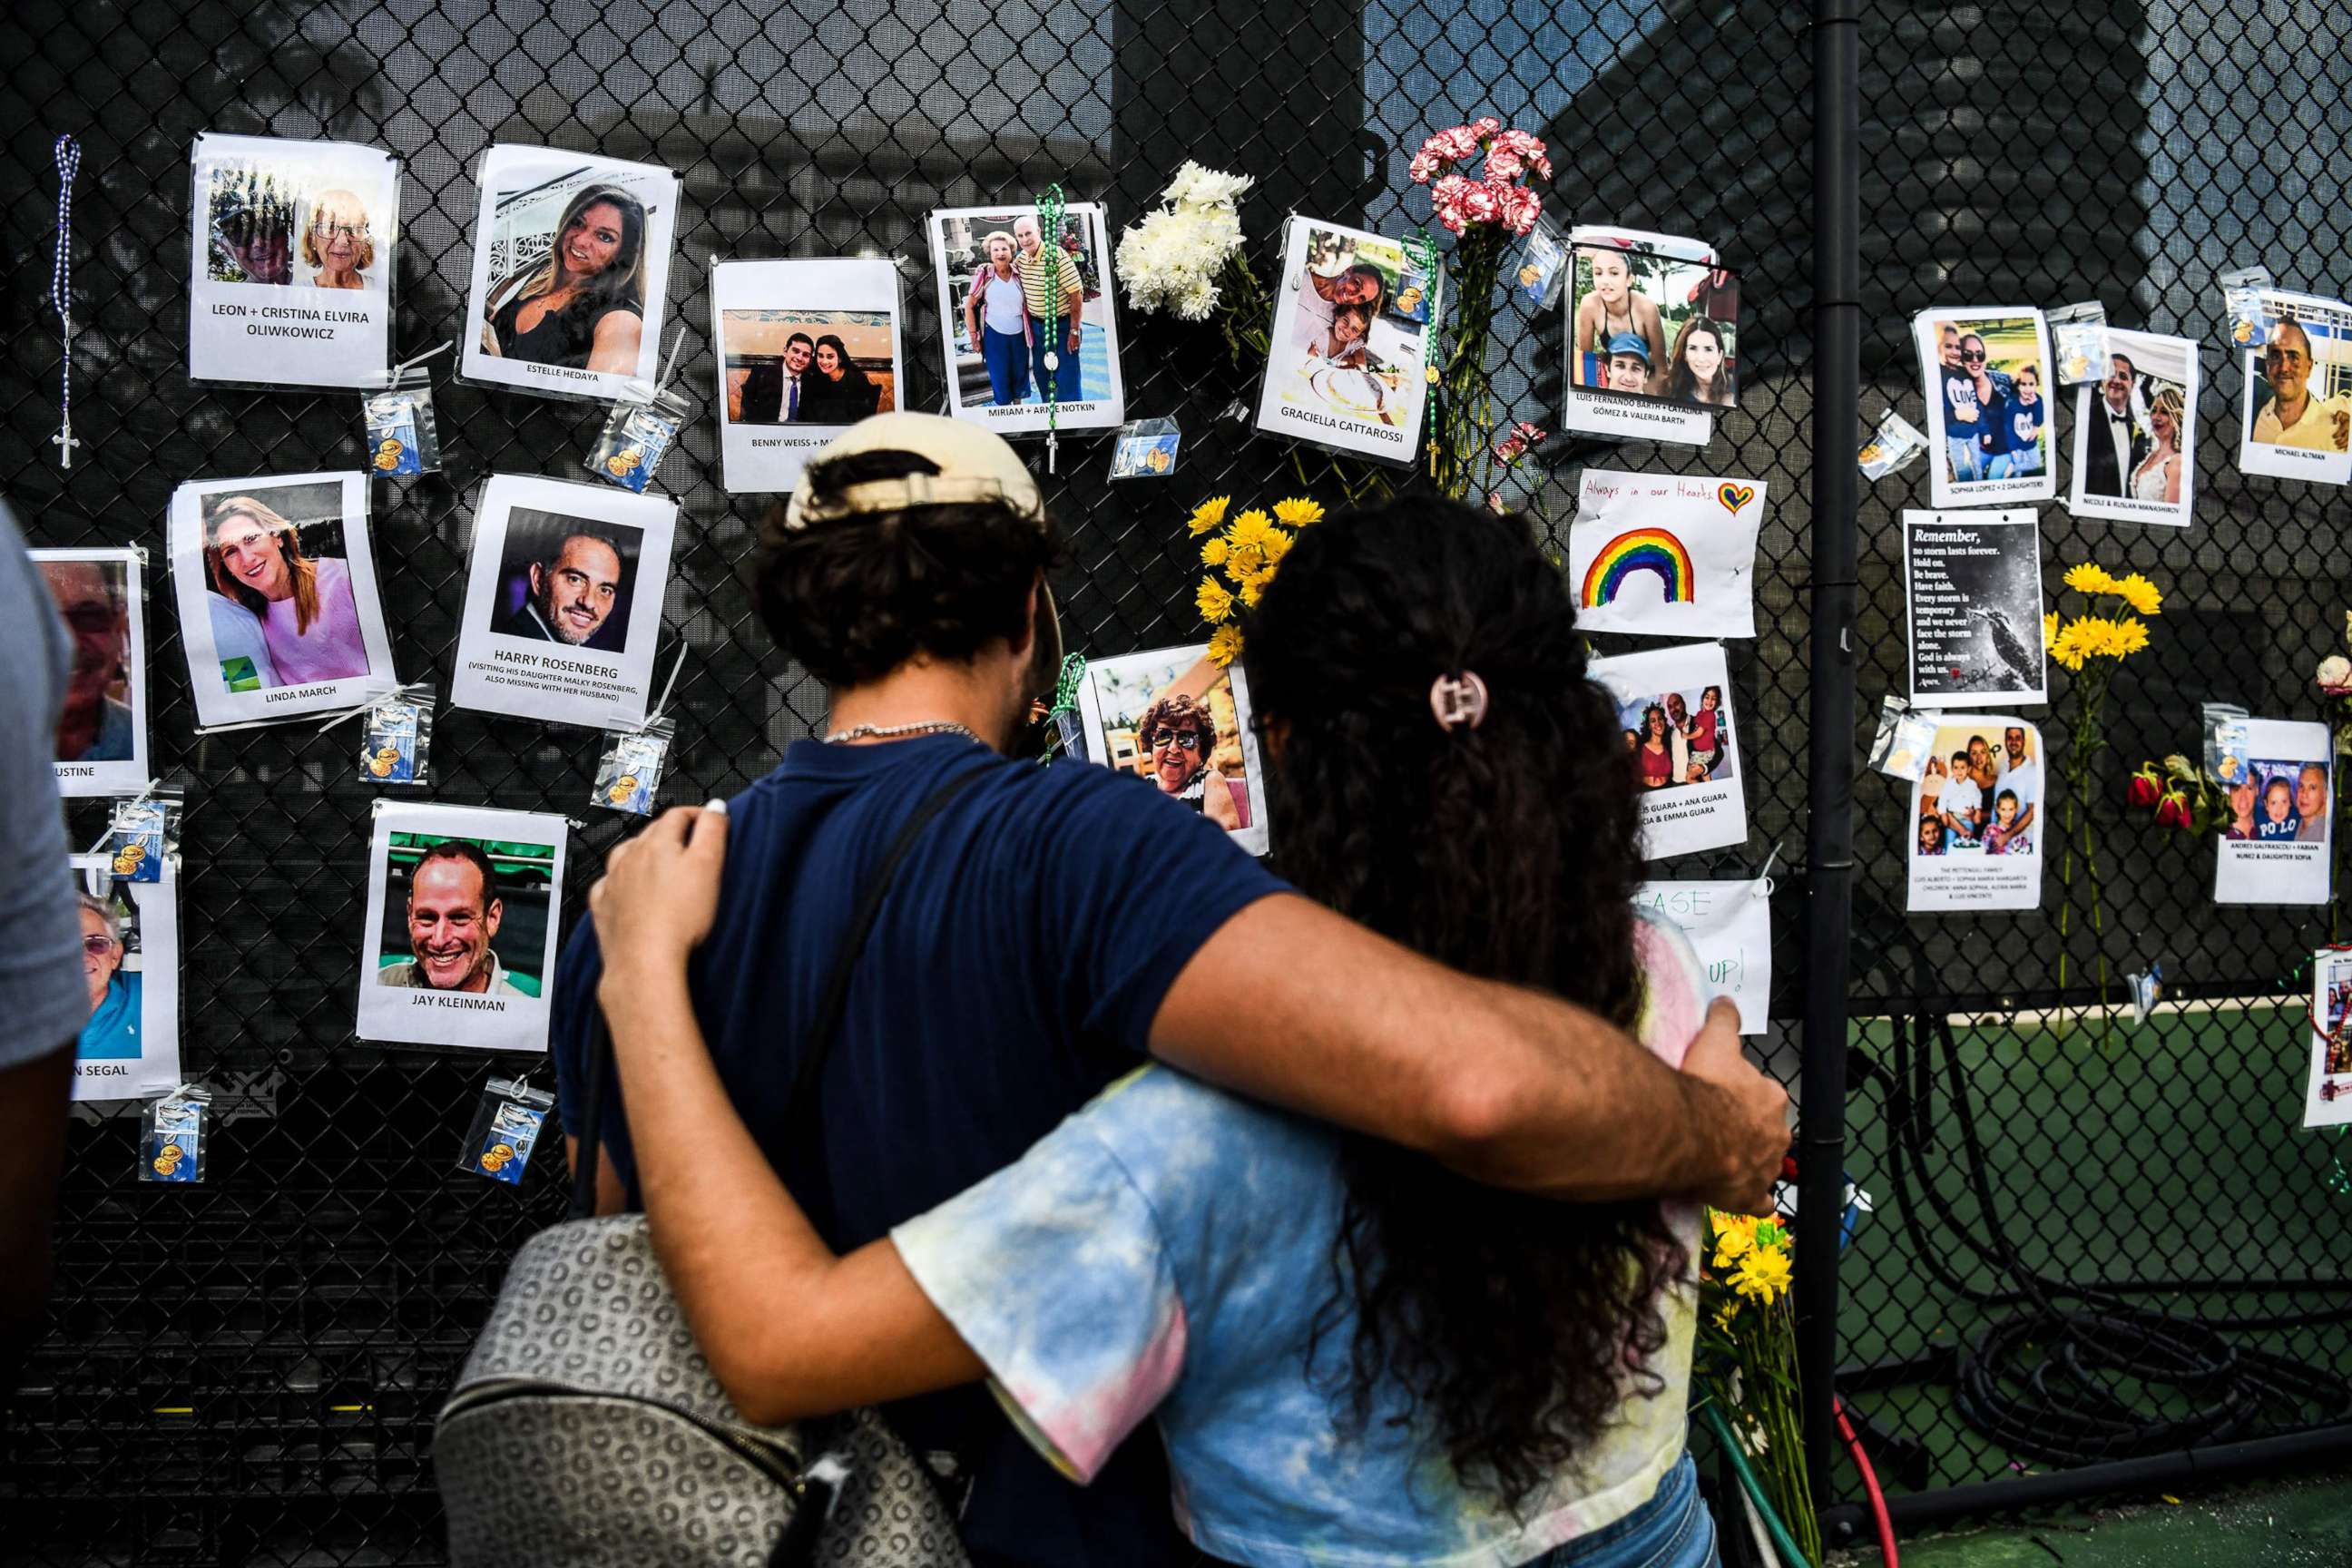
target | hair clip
x=1457, y=700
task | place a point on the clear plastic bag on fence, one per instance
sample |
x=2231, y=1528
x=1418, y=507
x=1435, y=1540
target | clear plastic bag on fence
x=630, y=771
x=396, y=736
x=2242, y=305
x=1145, y=449
x=637, y=435
x=2147, y=991
x=144, y=831
x=2224, y=728
x=1906, y=739
x=1542, y=265
x=172, y=1135
x=401, y=438
x=505, y=1128
x=1892, y=447
x=2078, y=339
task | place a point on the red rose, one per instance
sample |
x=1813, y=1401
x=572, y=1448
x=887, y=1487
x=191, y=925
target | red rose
x=2172, y=811
x=2142, y=792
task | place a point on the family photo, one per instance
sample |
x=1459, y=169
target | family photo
x=1674, y=711
x=101, y=737
x=2275, y=846
x=463, y=911
x=1347, y=360
x=1979, y=817
x=1677, y=738
x=2278, y=802
x=1647, y=323
x=1989, y=389
x=1980, y=792
x=2135, y=432
x=1026, y=317
x=2327, y=1097
x=129, y=1046
x=572, y=257
x=291, y=261
x=1180, y=723
x=2297, y=418
x=277, y=591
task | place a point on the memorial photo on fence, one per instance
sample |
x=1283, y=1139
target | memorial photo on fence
x=101, y=738
x=1651, y=324
x=1586, y=402
x=463, y=912
x=1348, y=354
x=1674, y=711
x=804, y=348
x=564, y=600
x=1973, y=583
x=2327, y=1094
x=2136, y=433
x=291, y=261
x=1025, y=315
x=2296, y=416
x=1978, y=818
x=1992, y=437
x=1173, y=719
x=275, y=581
x=129, y=1046
x=2274, y=840
x=572, y=257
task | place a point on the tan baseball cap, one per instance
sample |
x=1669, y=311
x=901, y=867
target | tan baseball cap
x=974, y=464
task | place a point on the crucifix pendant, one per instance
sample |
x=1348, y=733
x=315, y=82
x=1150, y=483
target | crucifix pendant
x=65, y=443
x=1052, y=443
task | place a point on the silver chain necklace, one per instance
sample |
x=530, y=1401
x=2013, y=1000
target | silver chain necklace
x=900, y=732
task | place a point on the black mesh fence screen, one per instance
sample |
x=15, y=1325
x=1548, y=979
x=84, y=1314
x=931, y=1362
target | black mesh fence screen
x=247, y=1372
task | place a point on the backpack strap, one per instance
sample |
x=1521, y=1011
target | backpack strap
x=817, y=1045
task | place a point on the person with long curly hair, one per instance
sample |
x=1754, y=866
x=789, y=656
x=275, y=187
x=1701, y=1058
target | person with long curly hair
x=583, y=304
x=308, y=620
x=1353, y=1353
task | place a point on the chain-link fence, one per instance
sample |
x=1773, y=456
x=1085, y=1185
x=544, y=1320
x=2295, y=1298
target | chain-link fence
x=248, y=1371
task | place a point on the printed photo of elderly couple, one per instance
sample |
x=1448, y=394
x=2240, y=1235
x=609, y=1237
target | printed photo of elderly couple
x=1027, y=314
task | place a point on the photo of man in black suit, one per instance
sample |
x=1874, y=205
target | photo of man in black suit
x=571, y=595
x=774, y=394
x=2118, y=438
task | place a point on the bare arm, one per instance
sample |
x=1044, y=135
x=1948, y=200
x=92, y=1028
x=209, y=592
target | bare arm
x=614, y=350
x=791, y=1329
x=1504, y=1085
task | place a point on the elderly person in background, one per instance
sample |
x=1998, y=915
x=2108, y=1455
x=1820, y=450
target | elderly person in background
x=2311, y=804
x=1177, y=736
x=96, y=726
x=336, y=245
x=112, y=1031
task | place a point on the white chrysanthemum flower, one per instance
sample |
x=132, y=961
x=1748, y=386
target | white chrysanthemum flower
x=1198, y=300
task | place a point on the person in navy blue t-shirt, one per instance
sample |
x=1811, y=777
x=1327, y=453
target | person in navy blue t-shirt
x=2023, y=415
x=1048, y=930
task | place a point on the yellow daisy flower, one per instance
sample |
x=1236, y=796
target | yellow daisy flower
x=1209, y=514
x=2141, y=594
x=1244, y=562
x=1251, y=529
x=1253, y=591
x=1277, y=545
x=2049, y=628
x=1224, y=645
x=1735, y=1237
x=2087, y=577
x=1297, y=512
x=1763, y=1275
x=2130, y=637
x=1212, y=553
x=1212, y=601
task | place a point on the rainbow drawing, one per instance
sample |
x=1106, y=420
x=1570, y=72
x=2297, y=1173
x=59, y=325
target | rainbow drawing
x=1642, y=550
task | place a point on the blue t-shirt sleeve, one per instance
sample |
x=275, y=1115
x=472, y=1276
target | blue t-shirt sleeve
x=41, y=988
x=1129, y=886
x=1054, y=1272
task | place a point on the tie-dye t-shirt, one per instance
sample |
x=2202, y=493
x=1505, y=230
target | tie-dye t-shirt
x=1163, y=1253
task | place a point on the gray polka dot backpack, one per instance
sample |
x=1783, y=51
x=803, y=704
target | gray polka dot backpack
x=587, y=1429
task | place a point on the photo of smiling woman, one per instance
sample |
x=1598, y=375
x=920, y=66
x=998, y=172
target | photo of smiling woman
x=1182, y=724
x=572, y=257
x=276, y=588
x=130, y=1048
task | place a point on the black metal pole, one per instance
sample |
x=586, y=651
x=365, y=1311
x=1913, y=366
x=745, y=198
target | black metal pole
x=1829, y=788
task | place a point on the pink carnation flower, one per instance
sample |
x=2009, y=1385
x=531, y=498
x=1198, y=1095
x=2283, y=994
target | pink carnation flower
x=1422, y=167
x=1520, y=208
x=1502, y=165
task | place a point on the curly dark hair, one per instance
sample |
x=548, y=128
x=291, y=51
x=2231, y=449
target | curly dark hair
x=855, y=598
x=1179, y=712
x=1509, y=852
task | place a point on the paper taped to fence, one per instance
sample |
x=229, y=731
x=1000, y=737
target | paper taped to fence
x=1666, y=554
x=1730, y=924
x=1979, y=813
x=2282, y=796
x=1673, y=705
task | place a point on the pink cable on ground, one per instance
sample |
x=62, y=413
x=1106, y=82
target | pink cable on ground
x=1869, y=1484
